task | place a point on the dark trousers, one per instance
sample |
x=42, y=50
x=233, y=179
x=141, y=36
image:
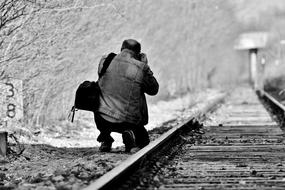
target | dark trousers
x=105, y=127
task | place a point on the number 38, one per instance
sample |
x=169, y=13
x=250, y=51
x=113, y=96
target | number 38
x=11, y=108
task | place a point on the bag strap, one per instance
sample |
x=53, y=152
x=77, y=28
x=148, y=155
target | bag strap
x=71, y=114
x=106, y=63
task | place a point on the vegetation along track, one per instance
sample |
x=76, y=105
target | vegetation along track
x=242, y=148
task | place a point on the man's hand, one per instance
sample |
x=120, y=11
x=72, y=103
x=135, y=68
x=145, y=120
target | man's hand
x=144, y=58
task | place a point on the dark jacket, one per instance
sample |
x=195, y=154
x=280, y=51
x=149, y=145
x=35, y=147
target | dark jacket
x=123, y=87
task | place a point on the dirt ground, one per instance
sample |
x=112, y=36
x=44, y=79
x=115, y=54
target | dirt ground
x=42, y=166
x=47, y=167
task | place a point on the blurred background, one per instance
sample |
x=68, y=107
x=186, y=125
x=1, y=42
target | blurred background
x=55, y=45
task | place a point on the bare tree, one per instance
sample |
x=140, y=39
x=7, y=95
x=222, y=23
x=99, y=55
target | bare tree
x=10, y=10
x=11, y=13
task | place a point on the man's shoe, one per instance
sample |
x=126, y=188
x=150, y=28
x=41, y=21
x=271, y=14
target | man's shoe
x=105, y=147
x=200, y=131
x=129, y=140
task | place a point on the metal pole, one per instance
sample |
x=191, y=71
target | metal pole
x=3, y=143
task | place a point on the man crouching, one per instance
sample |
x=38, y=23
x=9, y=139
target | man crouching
x=123, y=106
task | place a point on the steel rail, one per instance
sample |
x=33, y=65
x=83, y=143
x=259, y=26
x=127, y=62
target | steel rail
x=117, y=174
x=273, y=100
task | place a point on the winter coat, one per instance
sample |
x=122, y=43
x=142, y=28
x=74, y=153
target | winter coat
x=123, y=87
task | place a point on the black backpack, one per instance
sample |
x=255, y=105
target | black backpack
x=88, y=92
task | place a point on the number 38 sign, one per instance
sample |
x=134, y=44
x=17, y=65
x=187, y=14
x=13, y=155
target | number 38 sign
x=11, y=104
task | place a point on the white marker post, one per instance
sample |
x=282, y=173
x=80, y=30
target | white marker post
x=11, y=109
x=252, y=42
x=253, y=67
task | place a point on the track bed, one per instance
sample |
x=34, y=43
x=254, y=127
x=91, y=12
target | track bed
x=244, y=150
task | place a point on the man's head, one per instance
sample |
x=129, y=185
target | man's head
x=133, y=45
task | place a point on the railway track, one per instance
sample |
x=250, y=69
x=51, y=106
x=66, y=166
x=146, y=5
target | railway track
x=245, y=149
